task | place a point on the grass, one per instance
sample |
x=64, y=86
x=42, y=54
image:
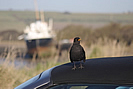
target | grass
x=108, y=48
x=18, y=20
x=10, y=76
x=96, y=43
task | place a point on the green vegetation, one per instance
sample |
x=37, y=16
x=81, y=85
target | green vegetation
x=112, y=40
x=18, y=20
x=112, y=31
x=15, y=20
x=10, y=76
x=72, y=31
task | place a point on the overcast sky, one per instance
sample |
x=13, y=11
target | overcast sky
x=84, y=6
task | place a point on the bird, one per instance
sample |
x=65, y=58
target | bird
x=77, y=53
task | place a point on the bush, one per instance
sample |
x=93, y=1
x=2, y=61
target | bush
x=117, y=32
x=113, y=31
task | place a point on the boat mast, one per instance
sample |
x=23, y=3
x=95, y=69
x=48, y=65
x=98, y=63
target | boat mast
x=37, y=18
x=36, y=10
x=42, y=16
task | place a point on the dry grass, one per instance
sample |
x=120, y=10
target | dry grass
x=10, y=76
x=108, y=48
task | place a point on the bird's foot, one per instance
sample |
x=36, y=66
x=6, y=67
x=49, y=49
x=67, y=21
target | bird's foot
x=74, y=68
x=81, y=67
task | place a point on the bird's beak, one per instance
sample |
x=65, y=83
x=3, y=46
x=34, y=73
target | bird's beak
x=79, y=39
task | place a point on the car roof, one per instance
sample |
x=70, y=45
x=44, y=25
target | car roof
x=111, y=70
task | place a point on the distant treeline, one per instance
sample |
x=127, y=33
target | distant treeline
x=112, y=31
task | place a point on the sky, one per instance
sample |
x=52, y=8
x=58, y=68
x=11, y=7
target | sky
x=83, y=6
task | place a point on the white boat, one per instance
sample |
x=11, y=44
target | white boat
x=38, y=36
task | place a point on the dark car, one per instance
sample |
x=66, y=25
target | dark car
x=98, y=73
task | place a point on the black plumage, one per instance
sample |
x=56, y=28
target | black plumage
x=77, y=52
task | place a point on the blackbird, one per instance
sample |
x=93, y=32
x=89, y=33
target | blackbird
x=77, y=53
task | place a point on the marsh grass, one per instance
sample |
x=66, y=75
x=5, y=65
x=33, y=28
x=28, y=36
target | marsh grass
x=11, y=76
x=107, y=48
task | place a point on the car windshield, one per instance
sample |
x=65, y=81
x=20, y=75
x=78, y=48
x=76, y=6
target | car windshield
x=90, y=86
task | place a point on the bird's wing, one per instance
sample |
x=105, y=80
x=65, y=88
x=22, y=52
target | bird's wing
x=71, y=55
x=83, y=54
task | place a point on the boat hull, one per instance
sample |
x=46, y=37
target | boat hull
x=38, y=45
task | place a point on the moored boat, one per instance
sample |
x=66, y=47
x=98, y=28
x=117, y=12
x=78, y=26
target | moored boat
x=38, y=36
